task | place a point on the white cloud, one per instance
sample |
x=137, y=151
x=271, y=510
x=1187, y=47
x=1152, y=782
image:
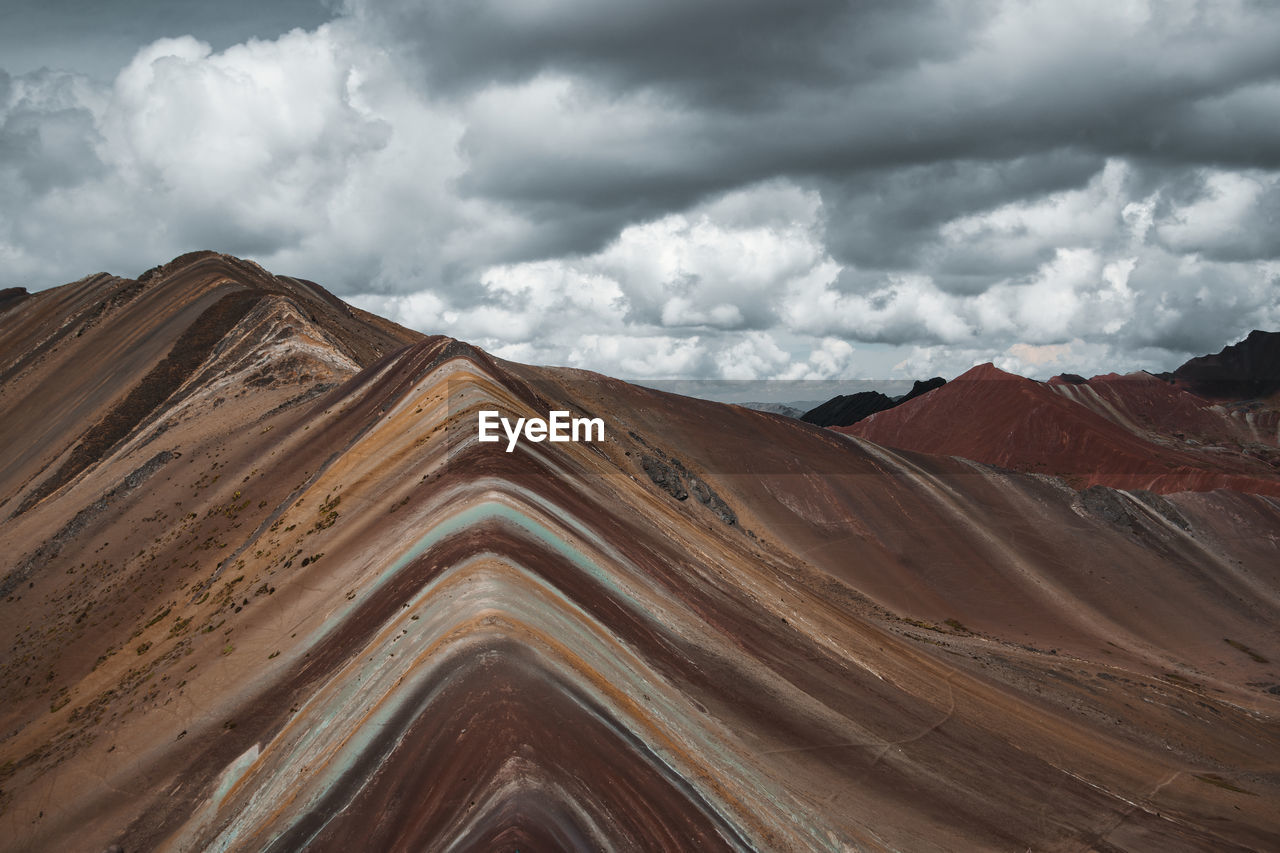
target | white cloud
x=754, y=355
x=421, y=310
x=641, y=356
x=305, y=153
x=685, y=283
x=1223, y=220
x=720, y=264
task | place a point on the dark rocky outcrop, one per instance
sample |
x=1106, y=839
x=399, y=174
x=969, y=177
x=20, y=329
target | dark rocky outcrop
x=664, y=476
x=671, y=476
x=1242, y=371
x=848, y=409
x=921, y=387
x=11, y=296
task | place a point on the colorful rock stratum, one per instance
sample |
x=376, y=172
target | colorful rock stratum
x=262, y=589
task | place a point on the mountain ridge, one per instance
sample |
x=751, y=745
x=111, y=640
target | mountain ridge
x=298, y=605
x=1248, y=369
x=1135, y=432
x=848, y=409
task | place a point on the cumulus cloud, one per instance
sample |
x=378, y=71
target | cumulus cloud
x=1232, y=217
x=735, y=189
x=299, y=151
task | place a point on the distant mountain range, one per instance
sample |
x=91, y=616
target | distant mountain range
x=775, y=408
x=1137, y=431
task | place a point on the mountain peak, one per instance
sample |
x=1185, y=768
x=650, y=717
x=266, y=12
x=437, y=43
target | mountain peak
x=987, y=370
x=1244, y=370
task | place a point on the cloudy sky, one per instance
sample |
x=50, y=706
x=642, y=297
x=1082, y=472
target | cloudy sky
x=677, y=188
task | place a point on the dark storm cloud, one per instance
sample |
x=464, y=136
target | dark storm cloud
x=720, y=54
x=97, y=37
x=852, y=97
x=47, y=136
x=885, y=219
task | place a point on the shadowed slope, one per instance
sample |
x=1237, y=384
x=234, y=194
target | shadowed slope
x=1247, y=370
x=848, y=409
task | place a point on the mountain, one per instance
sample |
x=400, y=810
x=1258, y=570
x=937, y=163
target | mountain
x=845, y=409
x=848, y=409
x=774, y=408
x=1128, y=432
x=202, y=326
x=264, y=589
x=11, y=296
x=1249, y=369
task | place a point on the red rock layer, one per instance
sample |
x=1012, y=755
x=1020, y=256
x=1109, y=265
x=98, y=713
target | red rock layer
x=1130, y=433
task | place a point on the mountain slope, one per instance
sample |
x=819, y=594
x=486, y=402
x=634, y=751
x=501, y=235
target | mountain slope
x=1249, y=369
x=117, y=349
x=1108, y=431
x=313, y=611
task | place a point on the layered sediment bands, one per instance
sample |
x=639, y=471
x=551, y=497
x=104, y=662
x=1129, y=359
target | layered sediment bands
x=336, y=621
x=117, y=348
x=188, y=352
